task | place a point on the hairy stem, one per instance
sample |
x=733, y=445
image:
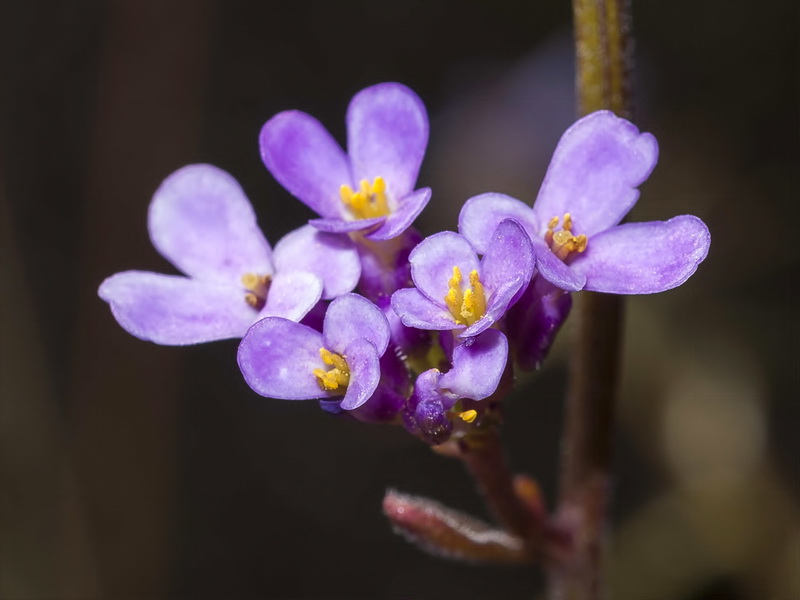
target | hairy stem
x=603, y=59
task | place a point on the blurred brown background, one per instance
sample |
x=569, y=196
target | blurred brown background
x=131, y=470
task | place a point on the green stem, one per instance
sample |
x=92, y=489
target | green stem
x=603, y=60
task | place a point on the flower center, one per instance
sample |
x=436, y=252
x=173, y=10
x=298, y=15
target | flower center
x=369, y=201
x=469, y=305
x=335, y=379
x=562, y=242
x=257, y=287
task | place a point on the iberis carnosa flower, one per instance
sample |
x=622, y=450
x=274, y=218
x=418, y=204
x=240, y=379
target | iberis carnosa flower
x=371, y=188
x=291, y=361
x=455, y=290
x=574, y=225
x=202, y=222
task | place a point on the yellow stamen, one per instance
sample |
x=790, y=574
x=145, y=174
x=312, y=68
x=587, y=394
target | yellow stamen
x=562, y=242
x=467, y=306
x=468, y=416
x=335, y=378
x=257, y=287
x=369, y=201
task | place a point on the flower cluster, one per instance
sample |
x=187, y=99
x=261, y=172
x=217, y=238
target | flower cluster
x=432, y=337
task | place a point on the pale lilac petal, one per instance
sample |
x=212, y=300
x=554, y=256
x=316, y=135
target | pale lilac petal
x=365, y=372
x=509, y=259
x=336, y=225
x=417, y=311
x=173, y=310
x=202, y=222
x=407, y=210
x=332, y=258
x=481, y=215
x=351, y=317
x=554, y=270
x=497, y=305
x=306, y=160
x=644, y=258
x=594, y=173
x=433, y=259
x=277, y=358
x=292, y=294
x=387, y=132
x=477, y=367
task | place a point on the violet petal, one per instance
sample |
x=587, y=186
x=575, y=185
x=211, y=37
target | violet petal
x=644, y=258
x=510, y=258
x=387, y=132
x=433, y=259
x=277, y=358
x=481, y=215
x=202, y=222
x=363, y=361
x=333, y=258
x=477, y=367
x=351, y=317
x=417, y=311
x=408, y=209
x=595, y=170
x=292, y=294
x=337, y=225
x=554, y=270
x=306, y=160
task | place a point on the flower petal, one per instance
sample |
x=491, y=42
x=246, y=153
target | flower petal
x=594, y=173
x=501, y=299
x=277, y=358
x=333, y=258
x=644, y=258
x=554, y=270
x=387, y=132
x=336, y=225
x=417, y=311
x=174, y=310
x=397, y=222
x=365, y=372
x=292, y=294
x=510, y=259
x=306, y=160
x=202, y=222
x=351, y=317
x=477, y=367
x=433, y=259
x=481, y=215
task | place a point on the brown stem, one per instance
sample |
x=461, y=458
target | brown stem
x=603, y=58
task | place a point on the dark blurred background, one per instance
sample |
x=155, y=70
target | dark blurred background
x=131, y=470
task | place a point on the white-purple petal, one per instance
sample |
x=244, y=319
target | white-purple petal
x=644, y=258
x=433, y=259
x=174, y=310
x=417, y=311
x=338, y=225
x=363, y=360
x=593, y=175
x=277, y=358
x=478, y=367
x=554, y=270
x=333, y=258
x=202, y=222
x=510, y=258
x=306, y=160
x=351, y=317
x=387, y=133
x=408, y=209
x=292, y=294
x=481, y=215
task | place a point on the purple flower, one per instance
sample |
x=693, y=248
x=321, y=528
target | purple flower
x=475, y=374
x=589, y=187
x=457, y=291
x=372, y=186
x=202, y=222
x=290, y=361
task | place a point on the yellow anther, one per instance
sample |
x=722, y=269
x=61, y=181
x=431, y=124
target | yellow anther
x=469, y=305
x=369, y=201
x=468, y=416
x=257, y=287
x=562, y=242
x=335, y=379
